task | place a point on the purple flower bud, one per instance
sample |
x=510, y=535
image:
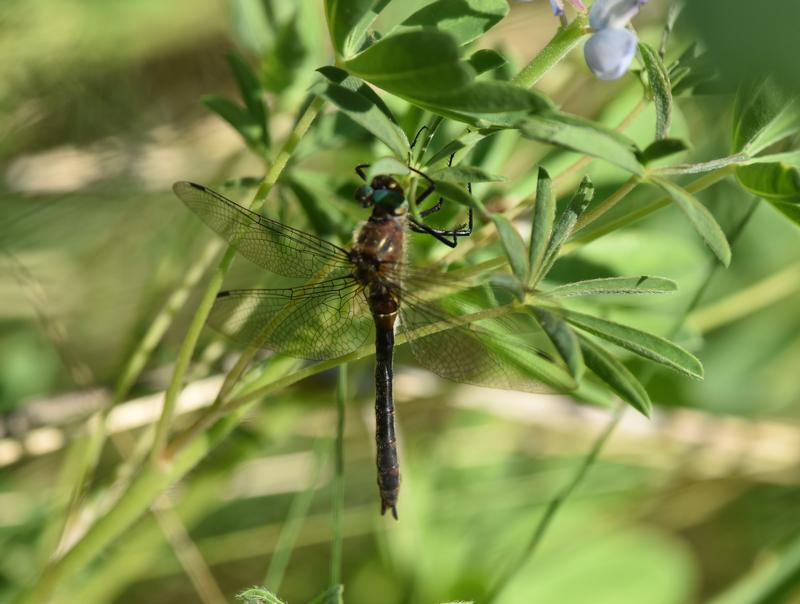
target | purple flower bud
x=609, y=52
x=558, y=7
x=605, y=14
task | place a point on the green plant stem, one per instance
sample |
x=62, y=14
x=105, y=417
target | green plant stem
x=298, y=512
x=555, y=504
x=209, y=296
x=337, y=509
x=700, y=184
x=608, y=203
x=556, y=49
x=745, y=302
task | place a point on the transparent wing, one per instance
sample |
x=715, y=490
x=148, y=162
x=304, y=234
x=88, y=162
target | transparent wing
x=456, y=343
x=319, y=321
x=269, y=244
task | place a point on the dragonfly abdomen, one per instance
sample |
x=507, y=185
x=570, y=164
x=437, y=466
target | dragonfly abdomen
x=384, y=312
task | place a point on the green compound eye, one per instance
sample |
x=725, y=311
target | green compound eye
x=388, y=198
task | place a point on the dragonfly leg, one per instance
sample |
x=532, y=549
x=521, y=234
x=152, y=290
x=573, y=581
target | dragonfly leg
x=360, y=171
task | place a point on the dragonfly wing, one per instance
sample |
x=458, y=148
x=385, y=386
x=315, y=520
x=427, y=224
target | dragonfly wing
x=318, y=321
x=486, y=353
x=268, y=243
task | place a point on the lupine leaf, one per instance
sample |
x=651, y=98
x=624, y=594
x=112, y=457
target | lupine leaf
x=661, y=149
x=237, y=116
x=415, y=64
x=485, y=60
x=614, y=286
x=348, y=21
x=660, y=88
x=563, y=229
x=616, y=375
x=465, y=174
x=513, y=246
x=563, y=338
x=359, y=102
x=465, y=20
x=642, y=343
x=701, y=219
x=544, y=214
x=252, y=92
x=583, y=136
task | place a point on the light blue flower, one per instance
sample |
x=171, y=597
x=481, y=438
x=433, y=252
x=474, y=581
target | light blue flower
x=611, y=48
x=558, y=6
x=609, y=52
x=616, y=14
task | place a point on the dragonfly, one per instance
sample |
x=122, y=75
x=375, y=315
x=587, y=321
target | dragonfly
x=369, y=291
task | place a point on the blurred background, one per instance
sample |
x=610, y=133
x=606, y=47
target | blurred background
x=100, y=113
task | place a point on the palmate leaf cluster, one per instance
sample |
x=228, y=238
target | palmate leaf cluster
x=425, y=61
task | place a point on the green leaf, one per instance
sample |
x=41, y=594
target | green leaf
x=252, y=92
x=660, y=89
x=583, y=136
x=563, y=338
x=661, y=149
x=457, y=193
x=513, y=246
x=237, y=116
x=614, y=286
x=544, y=214
x=466, y=141
x=702, y=220
x=318, y=213
x=563, y=229
x=642, y=343
x=280, y=66
x=475, y=101
x=485, y=60
x=763, y=116
x=774, y=182
x=360, y=103
x=790, y=210
x=416, y=64
x=348, y=21
x=465, y=20
x=386, y=165
x=616, y=375
x=465, y=174
x=332, y=595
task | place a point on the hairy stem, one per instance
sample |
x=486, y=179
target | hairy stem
x=209, y=296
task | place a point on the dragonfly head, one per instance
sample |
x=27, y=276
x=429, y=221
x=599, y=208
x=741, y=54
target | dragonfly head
x=385, y=192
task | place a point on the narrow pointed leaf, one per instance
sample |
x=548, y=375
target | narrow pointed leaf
x=251, y=90
x=660, y=89
x=465, y=20
x=642, y=343
x=583, y=136
x=360, y=103
x=616, y=375
x=544, y=214
x=615, y=286
x=465, y=174
x=513, y=246
x=563, y=229
x=239, y=118
x=701, y=219
x=661, y=149
x=457, y=193
x=563, y=338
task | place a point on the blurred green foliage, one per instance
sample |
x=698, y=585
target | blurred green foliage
x=100, y=106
